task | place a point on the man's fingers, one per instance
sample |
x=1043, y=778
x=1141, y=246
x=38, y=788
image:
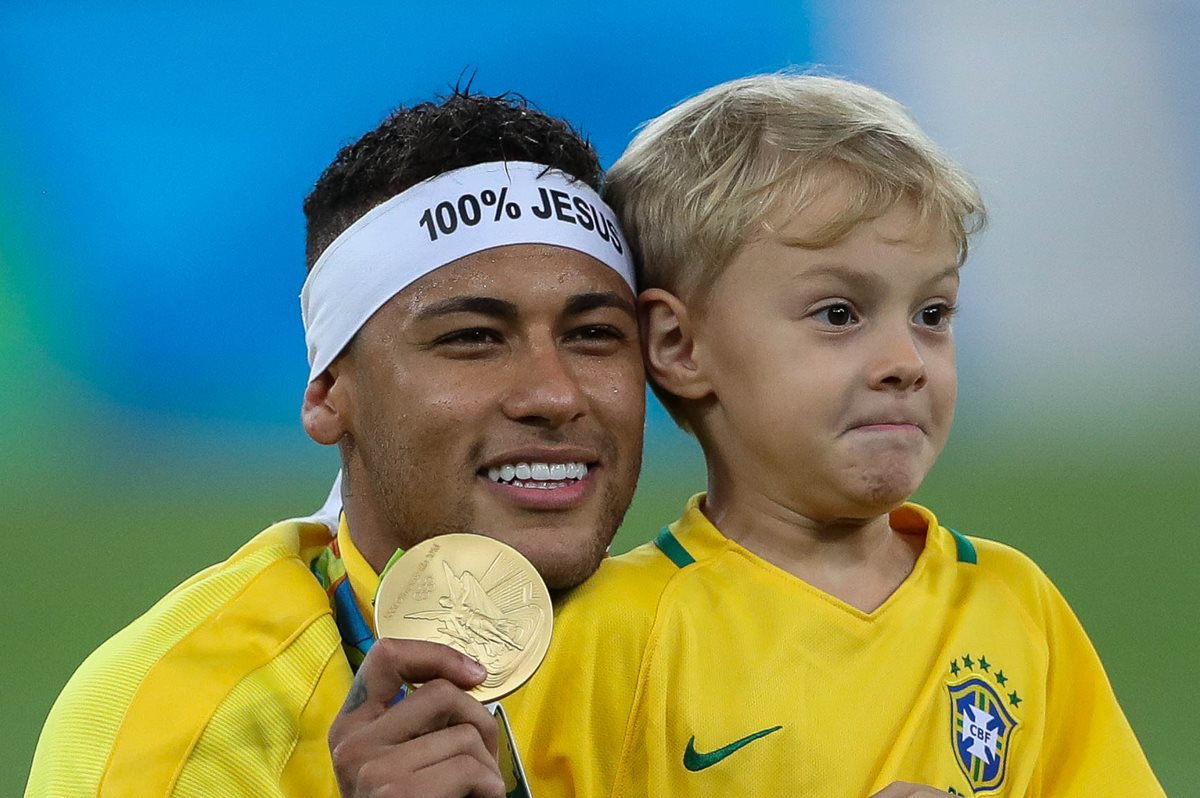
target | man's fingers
x=434, y=706
x=429, y=749
x=390, y=664
x=418, y=768
x=460, y=776
x=369, y=762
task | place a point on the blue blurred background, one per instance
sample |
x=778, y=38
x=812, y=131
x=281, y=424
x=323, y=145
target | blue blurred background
x=152, y=166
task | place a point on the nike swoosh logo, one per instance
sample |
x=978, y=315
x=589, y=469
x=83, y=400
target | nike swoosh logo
x=695, y=761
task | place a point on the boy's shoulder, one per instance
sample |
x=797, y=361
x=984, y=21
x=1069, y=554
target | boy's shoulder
x=998, y=567
x=624, y=588
x=632, y=584
x=1003, y=559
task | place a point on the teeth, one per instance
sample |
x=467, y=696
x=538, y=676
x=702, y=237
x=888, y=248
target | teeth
x=540, y=475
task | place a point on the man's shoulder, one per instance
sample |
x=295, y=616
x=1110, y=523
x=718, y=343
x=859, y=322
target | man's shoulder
x=233, y=594
x=155, y=684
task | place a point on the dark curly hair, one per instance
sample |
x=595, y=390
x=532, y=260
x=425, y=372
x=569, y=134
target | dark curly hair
x=417, y=143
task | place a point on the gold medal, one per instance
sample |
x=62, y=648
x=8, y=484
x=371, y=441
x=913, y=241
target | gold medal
x=475, y=594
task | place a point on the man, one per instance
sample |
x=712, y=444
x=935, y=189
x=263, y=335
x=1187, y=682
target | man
x=473, y=348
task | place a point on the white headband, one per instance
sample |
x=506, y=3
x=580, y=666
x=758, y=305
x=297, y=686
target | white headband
x=439, y=221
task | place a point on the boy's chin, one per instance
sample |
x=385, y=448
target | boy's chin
x=883, y=493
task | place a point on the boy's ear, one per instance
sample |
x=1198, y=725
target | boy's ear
x=324, y=408
x=668, y=344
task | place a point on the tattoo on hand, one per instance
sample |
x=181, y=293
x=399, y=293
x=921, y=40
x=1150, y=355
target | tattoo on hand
x=357, y=696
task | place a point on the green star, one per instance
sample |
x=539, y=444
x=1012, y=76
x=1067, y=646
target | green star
x=968, y=662
x=1014, y=699
x=954, y=667
x=1001, y=678
x=984, y=664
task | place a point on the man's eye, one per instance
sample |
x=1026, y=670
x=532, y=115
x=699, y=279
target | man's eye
x=598, y=332
x=476, y=336
x=839, y=315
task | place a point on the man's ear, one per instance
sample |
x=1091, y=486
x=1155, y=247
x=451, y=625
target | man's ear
x=669, y=344
x=323, y=411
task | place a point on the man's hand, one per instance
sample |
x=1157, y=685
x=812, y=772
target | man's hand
x=902, y=789
x=438, y=742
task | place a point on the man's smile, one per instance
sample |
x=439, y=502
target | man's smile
x=538, y=475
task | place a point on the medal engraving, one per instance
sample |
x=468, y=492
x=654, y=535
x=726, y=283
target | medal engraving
x=476, y=595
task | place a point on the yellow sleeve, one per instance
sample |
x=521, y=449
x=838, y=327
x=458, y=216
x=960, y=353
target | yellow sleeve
x=570, y=722
x=1089, y=749
x=207, y=694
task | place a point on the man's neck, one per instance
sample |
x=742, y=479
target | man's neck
x=364, y=528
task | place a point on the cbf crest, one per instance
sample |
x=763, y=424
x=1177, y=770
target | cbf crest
x=982, y=721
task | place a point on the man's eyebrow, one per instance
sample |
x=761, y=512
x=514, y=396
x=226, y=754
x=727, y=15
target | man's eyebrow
x=582, y=303
x=481, y=305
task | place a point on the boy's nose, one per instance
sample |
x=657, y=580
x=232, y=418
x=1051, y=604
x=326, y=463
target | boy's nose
x=899, y=364
x=544, y=391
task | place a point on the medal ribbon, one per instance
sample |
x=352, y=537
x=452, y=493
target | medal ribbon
x=330, y=570
x=350, y=583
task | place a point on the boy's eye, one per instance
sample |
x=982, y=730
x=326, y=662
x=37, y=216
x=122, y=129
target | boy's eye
x=935, y=315
x=839, y=315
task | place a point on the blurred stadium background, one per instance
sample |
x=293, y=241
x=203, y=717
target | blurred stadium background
x=152, y=164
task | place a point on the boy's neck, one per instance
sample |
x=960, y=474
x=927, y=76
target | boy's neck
x=858, y=561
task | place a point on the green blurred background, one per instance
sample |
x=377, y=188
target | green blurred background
x=151, y=170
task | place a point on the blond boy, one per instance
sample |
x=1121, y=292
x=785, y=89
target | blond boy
x=802, y=629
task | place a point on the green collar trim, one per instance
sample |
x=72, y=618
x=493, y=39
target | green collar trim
x=674, y=550
x=966, y=549
x=669, y=545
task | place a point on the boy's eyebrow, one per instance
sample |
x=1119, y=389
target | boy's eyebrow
x=953, y=270
x=840, y=272
x=582, y=303
x=865, y=279
x=482, y=305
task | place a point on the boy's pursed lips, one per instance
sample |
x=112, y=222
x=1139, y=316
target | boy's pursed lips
x=886, y=422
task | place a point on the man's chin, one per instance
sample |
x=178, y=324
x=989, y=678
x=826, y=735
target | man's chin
x=564, y=576
x=562, y=570
x=565, y=547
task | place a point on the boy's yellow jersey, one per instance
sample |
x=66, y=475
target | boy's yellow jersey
x=692, y=667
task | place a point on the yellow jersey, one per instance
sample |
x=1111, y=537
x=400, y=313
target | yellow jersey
x=226, y=687
x=692, y=667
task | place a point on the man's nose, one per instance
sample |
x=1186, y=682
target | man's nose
x=545, y=390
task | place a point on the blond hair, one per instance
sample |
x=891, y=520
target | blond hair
x=708, y=176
